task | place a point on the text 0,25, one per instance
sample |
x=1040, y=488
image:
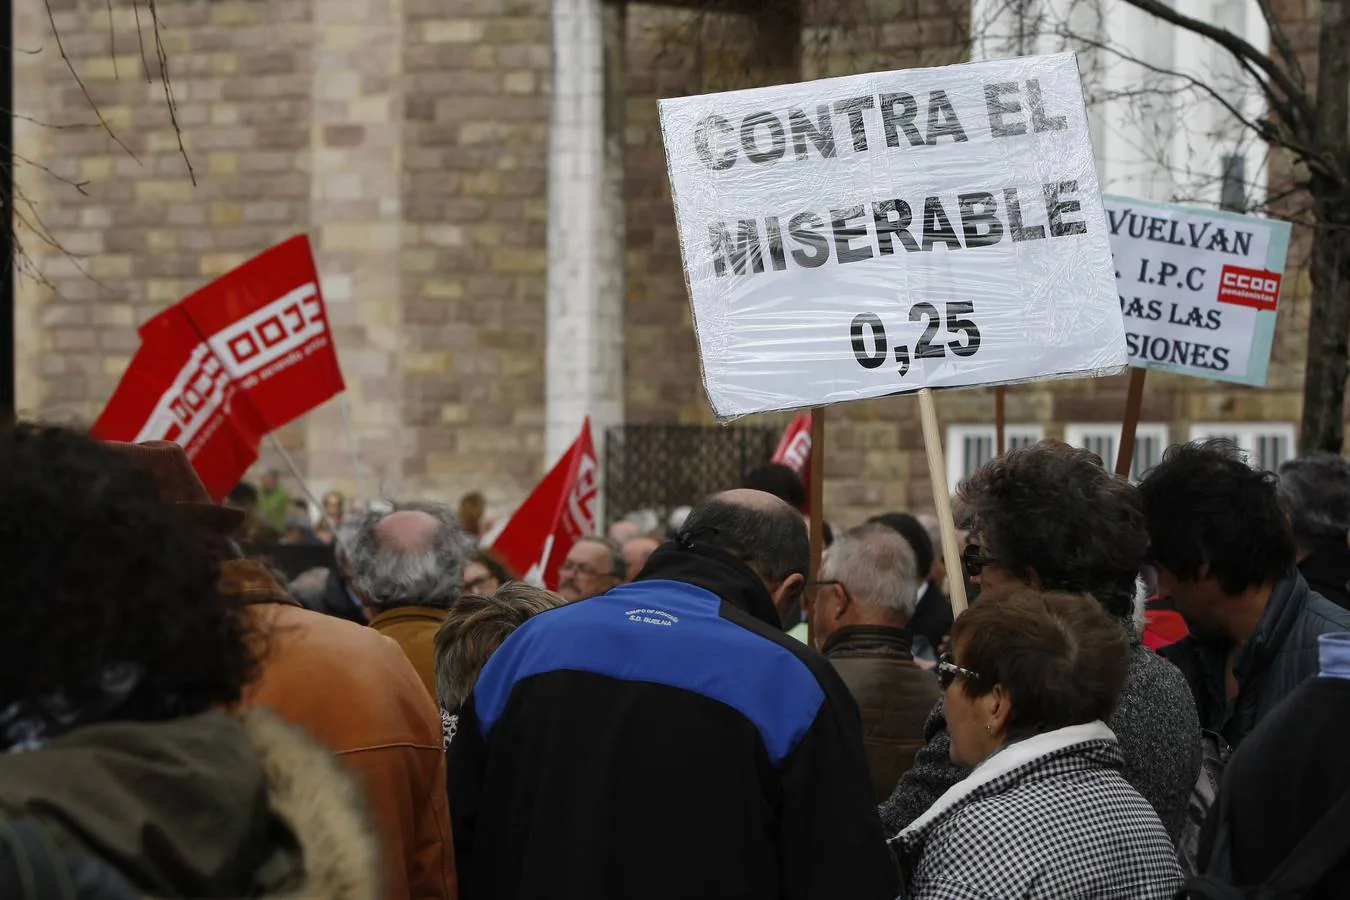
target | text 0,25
x=871, y=348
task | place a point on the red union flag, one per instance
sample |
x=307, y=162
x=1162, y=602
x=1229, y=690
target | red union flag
x=794, y=449
x=561, y=509
x=267, y=324
x=237, y=359
x=176, y=389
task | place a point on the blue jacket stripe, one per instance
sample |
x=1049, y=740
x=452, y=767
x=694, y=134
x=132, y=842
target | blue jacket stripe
x=664, y=632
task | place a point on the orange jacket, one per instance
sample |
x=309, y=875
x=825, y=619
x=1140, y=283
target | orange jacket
x=414, y=629
x=356, y=692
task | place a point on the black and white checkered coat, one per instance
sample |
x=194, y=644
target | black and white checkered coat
x=1049, y=818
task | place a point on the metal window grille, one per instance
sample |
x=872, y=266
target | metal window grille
x=1233, y=190
x=1148, y=452
x=1150, y=441
x=1271, y=450
x=1267, y=444
x=1104, y=445
x=976, y=450
x=663, y=467
x=971, y=446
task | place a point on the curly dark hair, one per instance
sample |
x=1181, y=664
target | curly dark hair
x=1206, y=505
x=100, y=573
x=1052, y=509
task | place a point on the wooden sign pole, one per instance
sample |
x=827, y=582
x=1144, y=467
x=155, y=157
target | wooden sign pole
x=1134, y=402
x=817, y=494
x=942, y=500
x=1000, y=421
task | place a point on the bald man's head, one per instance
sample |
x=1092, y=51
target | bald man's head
x=757, y=527
x=412, y=556
x=407, y=531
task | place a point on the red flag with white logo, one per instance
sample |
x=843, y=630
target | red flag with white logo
x=794, y=450
x=176, y=389
x=239, y=358
x=267, y=323
x=561, y=509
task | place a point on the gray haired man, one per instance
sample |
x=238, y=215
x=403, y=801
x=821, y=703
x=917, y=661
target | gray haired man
x=406, y=566
x=593, y=565
x=862, y=607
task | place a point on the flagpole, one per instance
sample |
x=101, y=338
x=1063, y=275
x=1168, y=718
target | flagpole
x=351, y=445
x=295, y=471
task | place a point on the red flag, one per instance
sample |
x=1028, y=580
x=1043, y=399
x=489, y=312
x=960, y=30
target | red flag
x=177, y=390
x=267, y=323
x=561, y=509
x=794, y=450
x=239, y=358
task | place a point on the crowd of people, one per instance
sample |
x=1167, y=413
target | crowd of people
x=1143, y=700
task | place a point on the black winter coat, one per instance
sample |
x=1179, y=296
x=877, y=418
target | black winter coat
x=664, y=741
x=1279, y=657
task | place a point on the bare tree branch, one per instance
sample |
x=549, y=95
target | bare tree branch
x=1190, y=80
x=1236, y=46
x=56, y=32
x=1281, y=41
x=77, y=185
x=168, y=89
x=112, y=40
x=140, y=39
x=56, y=126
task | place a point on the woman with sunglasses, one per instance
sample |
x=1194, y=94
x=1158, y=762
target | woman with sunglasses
x=1045, y=811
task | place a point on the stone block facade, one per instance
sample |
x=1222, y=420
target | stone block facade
x=411, y=140
x=408, y=138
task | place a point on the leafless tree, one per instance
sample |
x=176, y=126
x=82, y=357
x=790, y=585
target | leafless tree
x=1294, y=123
x=28, y=228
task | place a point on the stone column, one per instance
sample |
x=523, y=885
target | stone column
x=357, y=230
x=586, y=236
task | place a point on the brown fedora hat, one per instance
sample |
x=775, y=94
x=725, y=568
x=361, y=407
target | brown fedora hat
x=179, y=483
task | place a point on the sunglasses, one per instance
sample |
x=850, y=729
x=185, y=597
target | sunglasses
x=974, y=561
x=948, y=670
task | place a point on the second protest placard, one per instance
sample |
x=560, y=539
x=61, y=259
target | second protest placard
x=1198, y=288
x=876, y=234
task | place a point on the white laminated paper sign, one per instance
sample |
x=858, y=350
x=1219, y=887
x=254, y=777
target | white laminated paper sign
x=871, y=235
x=1198, y=288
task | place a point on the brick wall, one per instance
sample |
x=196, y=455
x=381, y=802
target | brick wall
x=475, y=202
x=144, y=236
x=407, y=137
x=675, y=52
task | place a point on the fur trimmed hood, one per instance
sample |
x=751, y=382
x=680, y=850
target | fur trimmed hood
x=323, y=807
x=211, y=805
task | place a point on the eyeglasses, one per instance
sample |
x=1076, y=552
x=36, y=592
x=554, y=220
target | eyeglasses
x=813, y=587
x=472, y=587
x=974, y=561
x=583, y=570
x=947, y=670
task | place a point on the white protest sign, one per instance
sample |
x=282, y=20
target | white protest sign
x=876, y=234
x=1198, y=288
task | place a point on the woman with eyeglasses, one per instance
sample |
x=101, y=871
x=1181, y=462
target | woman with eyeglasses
x=1045, y=812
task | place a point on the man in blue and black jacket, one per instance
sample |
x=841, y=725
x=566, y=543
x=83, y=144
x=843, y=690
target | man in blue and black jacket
x=667, y=740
